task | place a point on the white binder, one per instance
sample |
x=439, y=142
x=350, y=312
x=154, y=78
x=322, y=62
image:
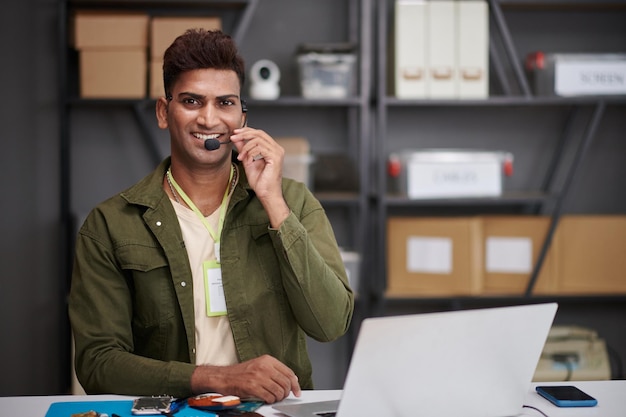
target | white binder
x=441, y=50
x=410, y=53
x=473, y=49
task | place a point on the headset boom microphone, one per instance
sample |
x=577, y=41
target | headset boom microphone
x=213, y=144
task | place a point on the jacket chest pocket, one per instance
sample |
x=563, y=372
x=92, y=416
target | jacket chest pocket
x=148, y=273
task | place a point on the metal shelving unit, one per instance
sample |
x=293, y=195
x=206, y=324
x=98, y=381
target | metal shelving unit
x=506, y=69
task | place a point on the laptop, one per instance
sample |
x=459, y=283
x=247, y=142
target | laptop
x=470, y=363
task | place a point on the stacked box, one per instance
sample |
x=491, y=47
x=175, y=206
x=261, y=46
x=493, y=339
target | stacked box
x=297, y=163
x=112, y=54
x=163, y=31
x=496, y=255
x=432, y=256
x=511, y=247
x=590, y=255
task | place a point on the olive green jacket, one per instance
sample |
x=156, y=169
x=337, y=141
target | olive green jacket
x=131, y=299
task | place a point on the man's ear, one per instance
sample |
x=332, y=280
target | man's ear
x=161, y=112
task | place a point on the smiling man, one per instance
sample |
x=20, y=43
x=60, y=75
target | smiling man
x=207, y=275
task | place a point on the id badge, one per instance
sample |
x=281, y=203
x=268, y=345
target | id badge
x=213, y=289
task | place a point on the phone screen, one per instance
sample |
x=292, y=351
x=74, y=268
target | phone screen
x=566, y=396
x=151, y=405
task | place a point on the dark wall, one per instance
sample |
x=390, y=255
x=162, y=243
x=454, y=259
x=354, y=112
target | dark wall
x=108, y=155
x=31, y=301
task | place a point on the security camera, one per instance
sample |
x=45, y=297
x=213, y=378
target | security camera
x=264, y=75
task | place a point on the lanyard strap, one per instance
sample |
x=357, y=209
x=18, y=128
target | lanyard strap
x=220, y=224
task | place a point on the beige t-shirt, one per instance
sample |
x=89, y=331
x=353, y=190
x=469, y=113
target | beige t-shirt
x=214, y=339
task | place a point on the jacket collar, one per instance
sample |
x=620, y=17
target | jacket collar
x=149, y=192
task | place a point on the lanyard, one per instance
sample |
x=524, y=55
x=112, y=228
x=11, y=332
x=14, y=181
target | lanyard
x=215, y=235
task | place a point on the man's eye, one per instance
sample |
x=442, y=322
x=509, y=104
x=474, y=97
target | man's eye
x=227, y=103
x=190, y=101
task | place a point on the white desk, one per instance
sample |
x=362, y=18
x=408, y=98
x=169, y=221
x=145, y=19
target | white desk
x=611, y=396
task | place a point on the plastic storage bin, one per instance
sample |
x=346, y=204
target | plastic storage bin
x=449, y=173
x=327, y=70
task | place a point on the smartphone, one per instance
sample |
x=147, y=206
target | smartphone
x=566, y=396
x=151, y=405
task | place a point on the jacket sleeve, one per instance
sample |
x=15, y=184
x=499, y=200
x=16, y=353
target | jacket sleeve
x=101, y=315
x=314, y=276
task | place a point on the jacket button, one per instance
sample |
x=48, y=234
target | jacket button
x=183, y=284
x=158, y=223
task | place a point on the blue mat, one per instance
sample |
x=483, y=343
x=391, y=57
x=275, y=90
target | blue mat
x=122, y=409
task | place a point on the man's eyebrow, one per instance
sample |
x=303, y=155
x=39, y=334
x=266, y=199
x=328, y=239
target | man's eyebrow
x=227, y=96
x=192, y=95
x=202, y=97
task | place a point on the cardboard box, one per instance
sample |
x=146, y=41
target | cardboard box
x=297, y=163
x=410, y=49
x=163, y=31
x=93, y=29
x=432, y=257
x=590, y=255
x=156, y=88
x=113, y=73
x=510, y=246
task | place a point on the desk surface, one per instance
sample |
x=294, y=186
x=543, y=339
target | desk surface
x=610, y=396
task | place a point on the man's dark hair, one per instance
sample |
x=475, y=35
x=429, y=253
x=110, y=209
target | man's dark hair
x=201, y=49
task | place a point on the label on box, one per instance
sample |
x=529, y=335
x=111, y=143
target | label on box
x=435, y=180
x=589, y=77
x=508, y=255
x=429, y=255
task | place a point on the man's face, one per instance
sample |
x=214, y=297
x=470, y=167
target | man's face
x=205, y=104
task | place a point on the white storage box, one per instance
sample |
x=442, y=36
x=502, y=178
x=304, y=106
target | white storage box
x=443, y=173
x=327, y=70
x=352, y=262
x=577, y=74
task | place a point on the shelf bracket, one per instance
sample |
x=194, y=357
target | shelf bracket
x=246, y=16
x=146, y=132
x=498, y=68
x=582, y=150
x=559, y=149
x=509, y=47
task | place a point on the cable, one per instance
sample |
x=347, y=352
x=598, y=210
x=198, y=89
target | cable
x=536, y=409
x=570, y=370
x=568, y=360
x=615, y=363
